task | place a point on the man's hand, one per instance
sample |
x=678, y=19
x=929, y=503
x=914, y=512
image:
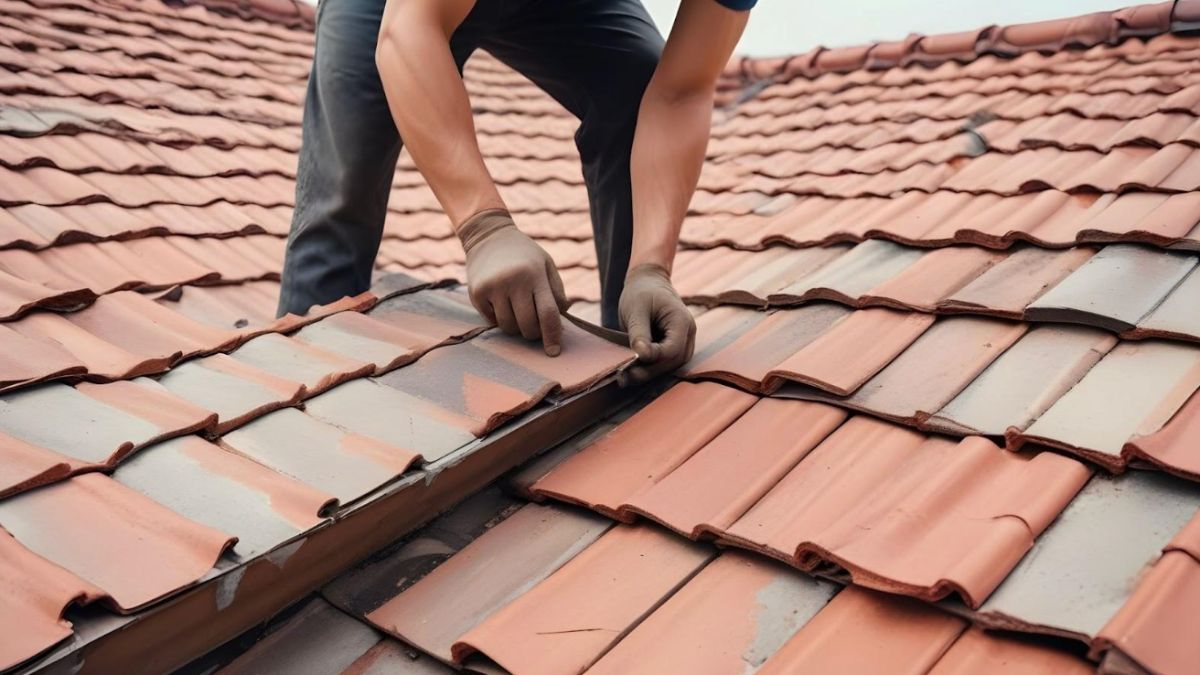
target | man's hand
x=511, y=280
x=661, y=330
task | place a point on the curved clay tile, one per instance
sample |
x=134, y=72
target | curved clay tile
x=808, y=517
x=132, y=548
x=37, y=594
x=345, y=465
x=730, y=618
x=862, y=632
x=1175, y=446
x=1151, y=627
x=18, y=296
x=24, y=466
x=486, y=575
x=25, y=360
x=317, y=369
x=237, y=392
x=219, y=489
x=636, y=454
x=570, y=619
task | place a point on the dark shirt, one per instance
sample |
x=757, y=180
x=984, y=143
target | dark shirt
x=739, y=5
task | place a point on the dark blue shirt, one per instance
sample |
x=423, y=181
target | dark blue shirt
x=739, y=5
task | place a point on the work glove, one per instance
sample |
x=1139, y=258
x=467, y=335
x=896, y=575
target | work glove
x=511, y=280
x=661, y=330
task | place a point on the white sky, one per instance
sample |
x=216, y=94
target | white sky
x=781, y=27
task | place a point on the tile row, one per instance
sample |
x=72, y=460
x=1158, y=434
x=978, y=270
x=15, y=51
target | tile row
x=553, y=590
x=463, y=390
x=1028, y=543
x=790, y=479
x=1046, y=218
x=1168, y=170
x=260, y=472
x=1078, y=390
x=1134, y=291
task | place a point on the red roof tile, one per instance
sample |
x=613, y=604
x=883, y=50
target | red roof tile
x=134, y=549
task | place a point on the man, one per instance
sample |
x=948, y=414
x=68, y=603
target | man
x=644, y=110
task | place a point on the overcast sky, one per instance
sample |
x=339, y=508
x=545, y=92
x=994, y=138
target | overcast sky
x=780, y=27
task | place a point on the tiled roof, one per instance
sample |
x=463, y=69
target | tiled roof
x=945, y=287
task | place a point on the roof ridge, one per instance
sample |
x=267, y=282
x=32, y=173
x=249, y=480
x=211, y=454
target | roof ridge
x=1083, y=31
x=290, y=13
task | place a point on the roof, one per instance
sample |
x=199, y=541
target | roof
x=947, y=360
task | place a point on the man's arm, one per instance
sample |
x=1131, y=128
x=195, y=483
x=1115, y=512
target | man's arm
x=668, y=151
x=512, y=281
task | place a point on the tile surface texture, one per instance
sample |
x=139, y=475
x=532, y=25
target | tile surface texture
x=993, y=232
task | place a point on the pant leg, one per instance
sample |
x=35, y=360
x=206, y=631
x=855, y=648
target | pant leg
x=595, y=57
x=347, y=158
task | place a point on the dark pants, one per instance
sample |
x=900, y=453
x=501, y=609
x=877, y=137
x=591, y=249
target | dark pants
x=594, y=57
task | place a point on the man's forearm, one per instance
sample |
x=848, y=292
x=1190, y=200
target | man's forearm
x=673, y=126
x=668, y=152
x=430, y=106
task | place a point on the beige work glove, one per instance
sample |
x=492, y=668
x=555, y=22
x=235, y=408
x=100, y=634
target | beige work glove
x=661, y=330
x=511, y=280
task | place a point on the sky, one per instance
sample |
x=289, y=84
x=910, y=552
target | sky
x=782, y=27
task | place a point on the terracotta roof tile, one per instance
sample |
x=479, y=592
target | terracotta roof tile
x=26, y=360
x=388, y=415
x=1133, y=390
x=1173, y=445
x=80, y=523
x=225, y=491
x=637, y=454
x=486, y=576
x=908, y=390
x=1147, y=628
x=978, y=652
x=26, y=466
x=345, y=465
x=758, y=352
x=731, y=617
x=235, y=391
x=1024, y=381
x=859, y=631
x=853, y=350
x=291, y=359
x=1084, y=567
x=39, y=593
x=614, y=584
x=722, y=480
x=1009, y=286
x=47, y=416
x=1114, y=289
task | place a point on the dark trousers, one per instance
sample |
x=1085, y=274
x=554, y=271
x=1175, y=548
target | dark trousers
x=594, y=57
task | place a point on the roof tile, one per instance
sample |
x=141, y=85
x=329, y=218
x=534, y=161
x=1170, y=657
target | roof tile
x=230, y=493
x=1147, y=628
x=636, y=454
x=722, y=480
x=1114, y=289
x=342, y=464
x=1134, y=389
x=808, y=516
x=612, y=584
x=1082, y=569
x=38, y=594
x=486, y=576
x=391, y=416
x=731, y=617
x=318, y=370
x=860, y=631
x=235, y=391
x=1024, y=381
x=134, y=549
x=1174, y=446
